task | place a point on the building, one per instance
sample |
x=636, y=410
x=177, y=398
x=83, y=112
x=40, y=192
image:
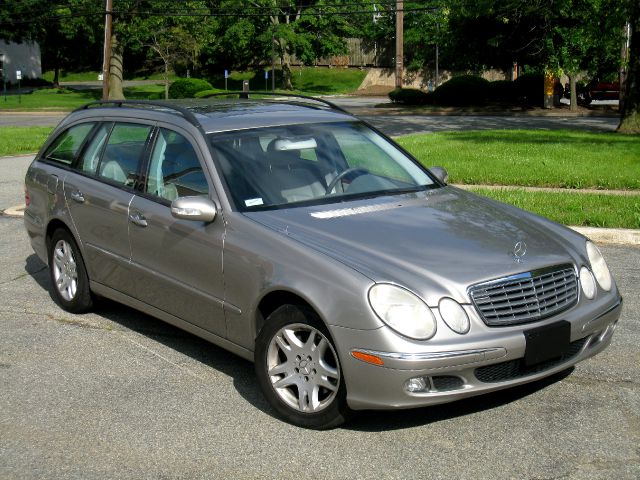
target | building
x=24, y=57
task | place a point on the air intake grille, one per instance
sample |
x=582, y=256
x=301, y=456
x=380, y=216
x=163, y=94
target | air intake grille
x=526, y=297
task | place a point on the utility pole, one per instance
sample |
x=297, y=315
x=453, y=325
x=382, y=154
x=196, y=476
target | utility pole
x=624, y=63
x=399, y=42
x=106, y=61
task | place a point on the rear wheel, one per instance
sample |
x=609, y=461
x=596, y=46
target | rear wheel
x=68, y=273
x=298, y=369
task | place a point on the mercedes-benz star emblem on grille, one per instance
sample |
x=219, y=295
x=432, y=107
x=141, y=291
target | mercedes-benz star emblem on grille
x=519, y=251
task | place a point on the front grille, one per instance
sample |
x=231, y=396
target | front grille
x=526, y=297
x=501, y=372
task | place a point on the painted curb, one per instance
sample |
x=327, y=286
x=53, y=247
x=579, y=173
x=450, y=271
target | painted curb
x=621, y=236
x=17, y=211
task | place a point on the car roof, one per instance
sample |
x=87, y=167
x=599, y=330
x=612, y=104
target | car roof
x=222, y=115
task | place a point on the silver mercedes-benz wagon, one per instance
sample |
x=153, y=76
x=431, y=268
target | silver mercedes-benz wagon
x=296, y=236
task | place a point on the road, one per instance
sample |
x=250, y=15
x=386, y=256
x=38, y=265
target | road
x=398, y=124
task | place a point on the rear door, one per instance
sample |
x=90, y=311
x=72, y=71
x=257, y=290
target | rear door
x=178, y=263
x=99, y=195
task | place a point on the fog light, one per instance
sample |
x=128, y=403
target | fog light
x=587, y=283
x=414, y=385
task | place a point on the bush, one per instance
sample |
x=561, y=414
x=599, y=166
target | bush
x=188, y=87
x=461, y=91
x=210, y=91
x=503, y=91
x=410, y=96
x=530, y=89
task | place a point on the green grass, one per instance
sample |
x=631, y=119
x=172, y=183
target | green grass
x=18, y=140
x=92, y=76
x=558, y=158
x=66, y=99
x=577, y=209
x=305, y=80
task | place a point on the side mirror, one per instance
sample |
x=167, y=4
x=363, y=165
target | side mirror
x=440, y=173
x=194, y=208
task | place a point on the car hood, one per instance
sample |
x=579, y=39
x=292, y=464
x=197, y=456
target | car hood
x=436, y=243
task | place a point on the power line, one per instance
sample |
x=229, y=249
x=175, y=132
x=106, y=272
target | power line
x=202, y=13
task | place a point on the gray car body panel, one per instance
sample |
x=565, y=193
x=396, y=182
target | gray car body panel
x=435, y=243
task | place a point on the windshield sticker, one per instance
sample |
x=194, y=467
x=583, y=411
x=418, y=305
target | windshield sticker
x=252, y=202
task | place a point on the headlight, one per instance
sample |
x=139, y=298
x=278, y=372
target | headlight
x=454, y=315
x=599, y=267
x=402, y=311
x=587, y=283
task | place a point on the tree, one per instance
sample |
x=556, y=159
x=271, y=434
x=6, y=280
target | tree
x=630, y=115
x=68, y=33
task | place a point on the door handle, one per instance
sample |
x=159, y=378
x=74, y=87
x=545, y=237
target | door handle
x=138, y=219
x=77, y=196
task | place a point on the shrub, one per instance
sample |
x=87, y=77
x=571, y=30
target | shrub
x=188, y=87
x=461, y=91
x=410, y=96
x=530, y=89
x=210, y=91
x=503, y=91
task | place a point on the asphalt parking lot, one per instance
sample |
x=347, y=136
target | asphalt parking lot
x=118, y=394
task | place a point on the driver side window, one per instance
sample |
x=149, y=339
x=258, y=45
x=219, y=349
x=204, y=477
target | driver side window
x=175, y=170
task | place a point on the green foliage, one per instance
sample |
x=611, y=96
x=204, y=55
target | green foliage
x=462, y=91
x=188, y=87
x=410, y=96
x=502, y=91
x=529, y=89
x=205, y=93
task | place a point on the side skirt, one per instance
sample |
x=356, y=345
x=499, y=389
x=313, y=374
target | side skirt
x=171, y=319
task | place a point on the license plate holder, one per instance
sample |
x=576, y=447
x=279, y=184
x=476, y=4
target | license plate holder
x=547, y=342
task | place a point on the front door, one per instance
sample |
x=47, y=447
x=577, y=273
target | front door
x=177, y=263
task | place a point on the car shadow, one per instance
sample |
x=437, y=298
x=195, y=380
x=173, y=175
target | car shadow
x=244, y=379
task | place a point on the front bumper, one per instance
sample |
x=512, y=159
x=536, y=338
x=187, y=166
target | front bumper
x=469, y=368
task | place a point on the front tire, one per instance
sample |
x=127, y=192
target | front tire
x=68, y=273
x=298, y=369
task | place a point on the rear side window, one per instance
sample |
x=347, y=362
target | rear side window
x=123, y=153
x=65, y=148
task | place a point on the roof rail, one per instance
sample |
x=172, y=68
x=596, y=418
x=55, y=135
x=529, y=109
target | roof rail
x=188, y=115
x=245, y=95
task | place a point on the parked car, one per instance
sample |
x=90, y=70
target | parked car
x=597, y=90
x=297, y=236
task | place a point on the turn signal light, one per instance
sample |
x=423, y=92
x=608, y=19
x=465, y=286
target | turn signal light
x=367, y=357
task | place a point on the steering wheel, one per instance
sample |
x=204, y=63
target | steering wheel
x=344, y=173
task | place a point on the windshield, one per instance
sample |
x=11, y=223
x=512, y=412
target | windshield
x=313, y=163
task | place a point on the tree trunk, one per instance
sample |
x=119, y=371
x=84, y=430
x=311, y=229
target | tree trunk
x=574, y=94
x=115, y=71
x=166, y=80
x=56, y=69
x=286, y=75
x=630, y=116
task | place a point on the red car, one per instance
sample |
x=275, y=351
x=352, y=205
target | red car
x=597, y=90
